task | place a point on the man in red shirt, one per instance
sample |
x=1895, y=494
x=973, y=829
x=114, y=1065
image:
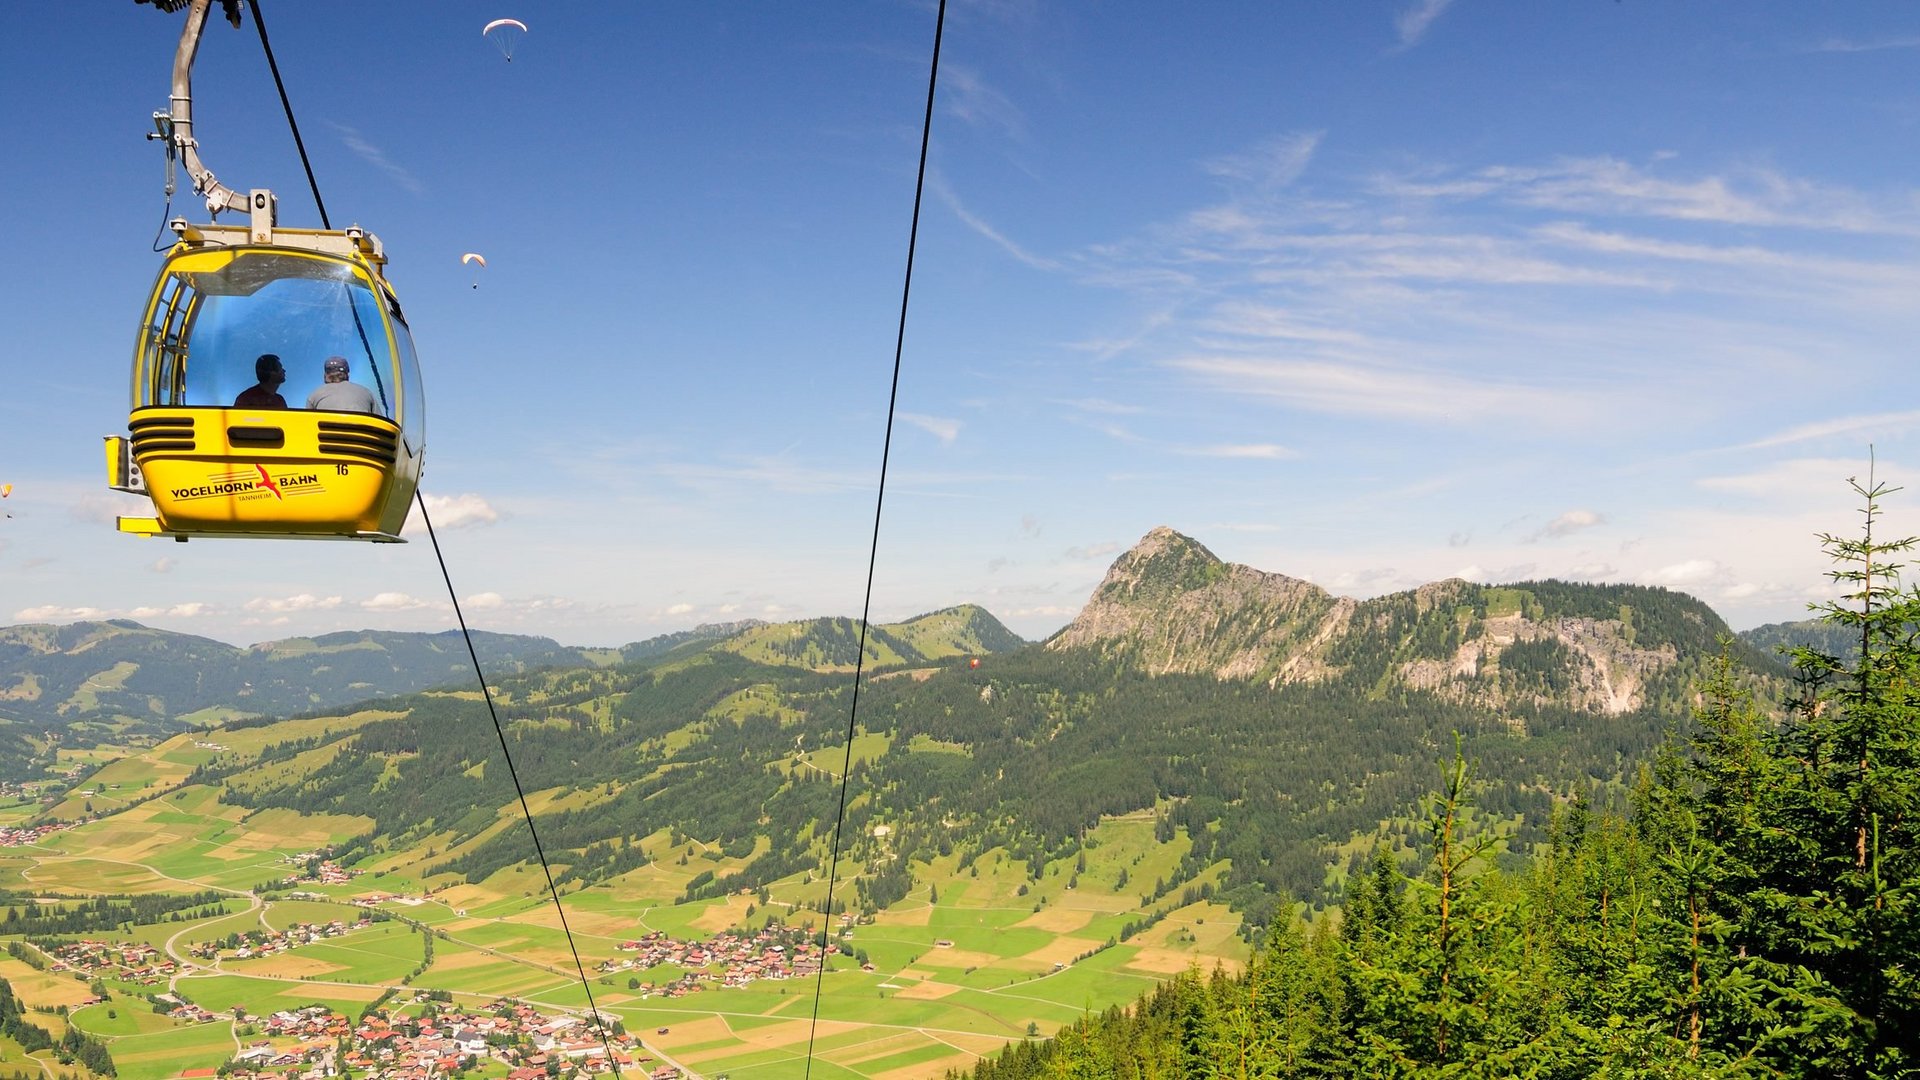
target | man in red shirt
x=266, y=393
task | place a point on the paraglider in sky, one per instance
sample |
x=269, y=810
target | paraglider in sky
x=505, y=34
x=474, y=258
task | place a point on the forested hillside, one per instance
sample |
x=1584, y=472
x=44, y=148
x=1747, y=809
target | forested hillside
x=1271, y=776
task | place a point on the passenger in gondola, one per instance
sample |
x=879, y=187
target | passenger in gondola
x=337, y=394
x=264, y=394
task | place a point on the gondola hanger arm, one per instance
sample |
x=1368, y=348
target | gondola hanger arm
x=180, y=106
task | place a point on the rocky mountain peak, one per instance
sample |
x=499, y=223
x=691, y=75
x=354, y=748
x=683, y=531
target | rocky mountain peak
x=1175, y=606
x=1170, y=606
x=1163, y=564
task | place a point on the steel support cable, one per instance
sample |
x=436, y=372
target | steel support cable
x=486, y=693
x=287, y=106
x=466, y=635
x=873, y=550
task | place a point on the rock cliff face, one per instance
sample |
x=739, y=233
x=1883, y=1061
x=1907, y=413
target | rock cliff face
x=1170, y=606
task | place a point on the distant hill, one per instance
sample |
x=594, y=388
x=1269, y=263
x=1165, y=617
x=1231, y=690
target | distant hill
x=1775, y=639
x=833, y=644
x=119, y=676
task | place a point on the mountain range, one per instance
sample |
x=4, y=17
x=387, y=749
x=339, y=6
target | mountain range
x=1268, y=726
x=118, y=677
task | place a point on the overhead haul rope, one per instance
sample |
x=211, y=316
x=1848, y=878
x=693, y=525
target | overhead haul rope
x=373, y=365
x=486, y=692
x=873, y=551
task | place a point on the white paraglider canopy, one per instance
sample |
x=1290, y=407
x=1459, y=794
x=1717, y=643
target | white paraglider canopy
x=505, y=34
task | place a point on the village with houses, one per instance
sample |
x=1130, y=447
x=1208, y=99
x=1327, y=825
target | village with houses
x=129, y=961
x=773, y=952
x=316, y=1042
x=256, y=943
x=23, y=835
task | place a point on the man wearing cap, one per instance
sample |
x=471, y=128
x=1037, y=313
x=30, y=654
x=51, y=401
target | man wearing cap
x=337, y=394
x=264, y=394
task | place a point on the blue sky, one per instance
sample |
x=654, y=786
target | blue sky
x=1369, y=294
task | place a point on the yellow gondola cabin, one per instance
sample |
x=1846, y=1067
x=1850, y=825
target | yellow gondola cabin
x=217, y=463
x=210, y=438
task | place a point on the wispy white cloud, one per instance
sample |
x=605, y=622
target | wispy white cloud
x=1846, y=45
x=1109, y=347
x=1493, y=263
x=1567, y=524
x=453, y=512
x=1117, y=432
x=979, y=225
x=1247, y=318
x=1413, y=23
x=966, y=96
x=1747, y=268
x=940, y=427
x=1268, y=166
x=1375, y=390
x=1788, y=479
x=779, y=474
x=1098, y=405
x=378, y=158
x=1606, y=185
x=1872, y=424
x=189, y=610
x=1258, y=451
x=1689, y=572
x=59, y=613
x=1092, y=551
x=287, y=604
x=394, y=601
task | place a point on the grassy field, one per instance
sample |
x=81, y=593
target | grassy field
x=975, y=957
x=159, y=1055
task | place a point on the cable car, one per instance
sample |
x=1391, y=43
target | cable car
x=236, y=312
